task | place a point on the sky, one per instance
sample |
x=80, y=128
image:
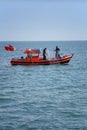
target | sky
x=43, y=20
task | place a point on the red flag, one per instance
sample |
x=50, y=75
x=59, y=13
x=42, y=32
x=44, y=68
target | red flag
x=9, y=48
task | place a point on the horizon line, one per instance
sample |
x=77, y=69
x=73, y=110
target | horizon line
x=38, y=40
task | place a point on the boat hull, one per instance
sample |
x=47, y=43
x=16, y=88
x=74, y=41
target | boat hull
x=40, y=61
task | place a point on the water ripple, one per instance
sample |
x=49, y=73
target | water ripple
x=44, y=97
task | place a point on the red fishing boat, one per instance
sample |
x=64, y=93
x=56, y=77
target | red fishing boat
x=33, y=58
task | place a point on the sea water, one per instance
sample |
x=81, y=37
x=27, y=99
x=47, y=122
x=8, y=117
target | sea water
x=44, y=97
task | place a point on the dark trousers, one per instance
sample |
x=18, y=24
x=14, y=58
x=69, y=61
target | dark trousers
x=44, y=57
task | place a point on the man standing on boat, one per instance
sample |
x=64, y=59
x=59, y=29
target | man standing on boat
x=57, y=55
x=44, y=53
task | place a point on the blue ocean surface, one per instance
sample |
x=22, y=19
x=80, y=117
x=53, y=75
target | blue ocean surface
x=44, y=97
